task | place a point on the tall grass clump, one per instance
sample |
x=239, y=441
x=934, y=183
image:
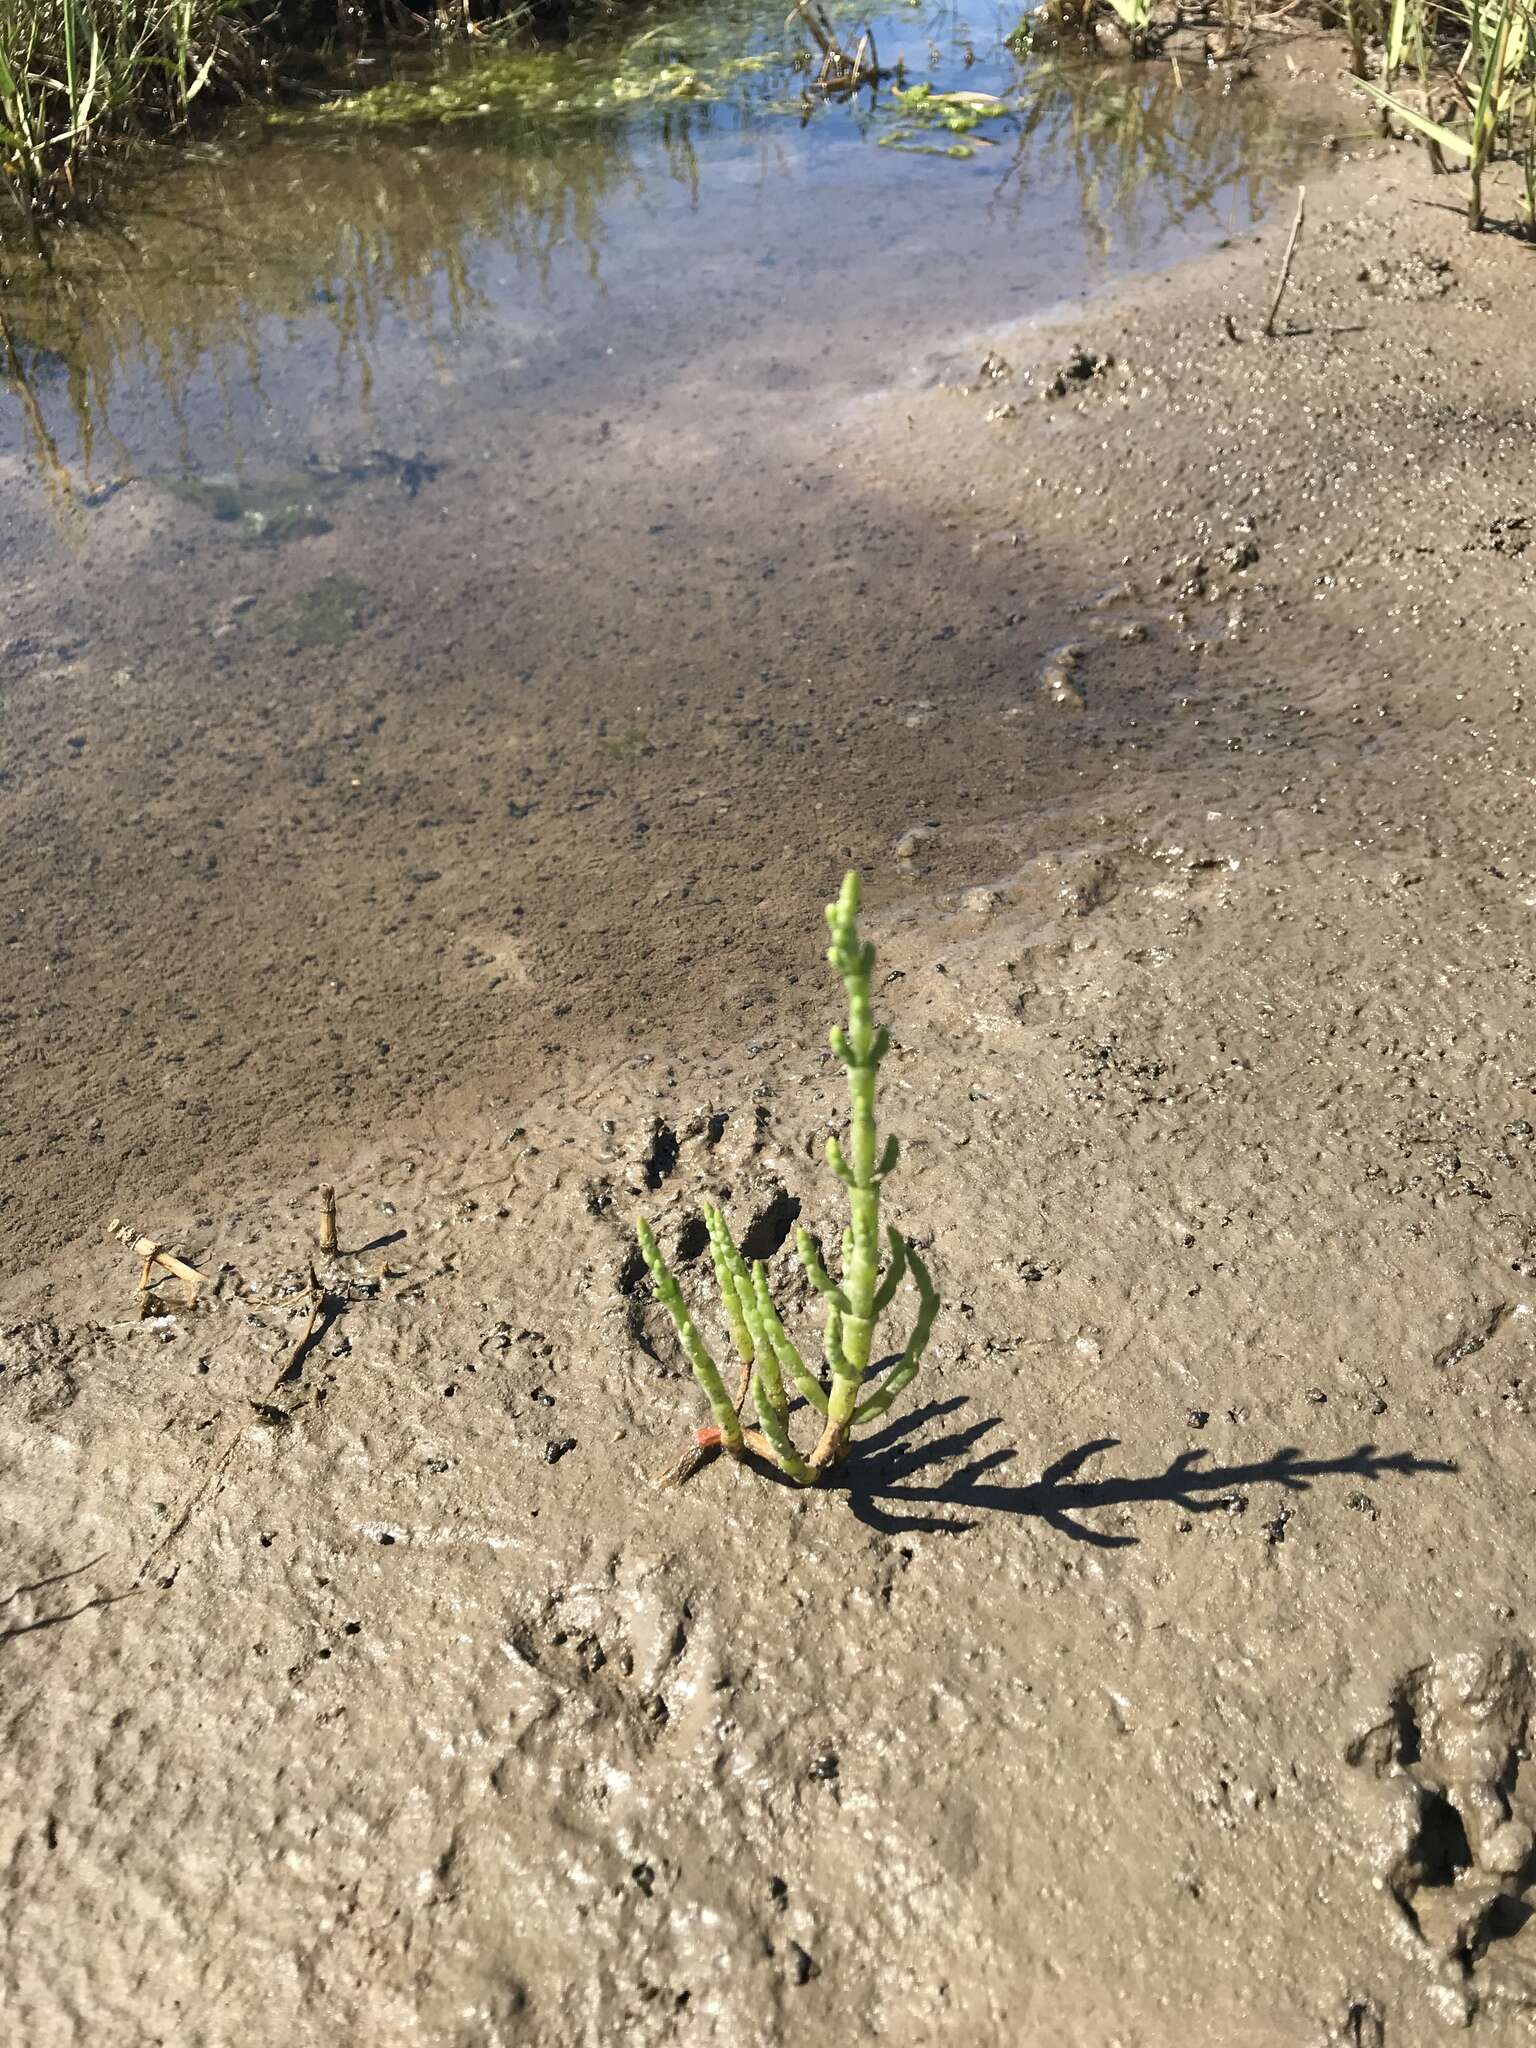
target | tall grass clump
x=1461, y=75
x=77, y=75
x=872, y=1268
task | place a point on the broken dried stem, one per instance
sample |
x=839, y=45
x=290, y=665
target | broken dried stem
x=1285, y=267
x=153, y=1253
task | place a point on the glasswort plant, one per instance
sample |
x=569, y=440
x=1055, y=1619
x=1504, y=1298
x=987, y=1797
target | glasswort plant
x=770, y=1361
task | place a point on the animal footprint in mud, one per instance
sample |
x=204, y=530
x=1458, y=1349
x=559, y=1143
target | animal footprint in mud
x=1458, y=1824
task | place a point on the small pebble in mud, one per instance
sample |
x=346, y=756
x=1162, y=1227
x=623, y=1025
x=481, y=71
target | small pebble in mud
x=557, y=1447
x=1056, y=675
x=802, y=1967
x=916, y=840
x=1316, y=1394
x=1197, y=1418
x=645, y=1877
x=825, y=1767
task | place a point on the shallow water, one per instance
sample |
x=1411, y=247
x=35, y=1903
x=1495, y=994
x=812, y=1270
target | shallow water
x=536, y=229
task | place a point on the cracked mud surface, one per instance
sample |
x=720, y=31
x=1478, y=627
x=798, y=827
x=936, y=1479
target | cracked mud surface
x=1160, y=1673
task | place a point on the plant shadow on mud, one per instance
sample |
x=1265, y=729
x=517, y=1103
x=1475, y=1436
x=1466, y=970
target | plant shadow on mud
x=890, y=1476
x=10, y=1629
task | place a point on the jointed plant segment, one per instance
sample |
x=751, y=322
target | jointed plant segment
x=771, y=1365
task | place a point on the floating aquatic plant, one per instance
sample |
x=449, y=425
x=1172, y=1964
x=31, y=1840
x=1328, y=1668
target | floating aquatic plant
x=959, y=112
x=871, y=1270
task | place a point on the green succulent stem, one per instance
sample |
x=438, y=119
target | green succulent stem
x=736, y=1293
x=855, y=1300
x=816, y=1272
x=776, y=1430
x=904, y=1371
x=885, y=1293
x=705, y=1371
x=786, y=1356
x=861, y=1165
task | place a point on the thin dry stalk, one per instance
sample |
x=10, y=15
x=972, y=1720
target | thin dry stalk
x=819, y=28
x=1285, y=267
x=317, y=1304
x=838, y=72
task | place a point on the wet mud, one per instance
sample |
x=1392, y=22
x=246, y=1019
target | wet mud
x=1160, y=1672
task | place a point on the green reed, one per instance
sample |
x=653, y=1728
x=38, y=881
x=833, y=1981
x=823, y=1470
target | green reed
x=77, y=75
x=79, y=78
x=1461, y=76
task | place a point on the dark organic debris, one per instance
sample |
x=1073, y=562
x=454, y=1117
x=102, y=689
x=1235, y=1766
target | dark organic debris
x=1080, y=367
x=1511, y=535
x=1411, y=277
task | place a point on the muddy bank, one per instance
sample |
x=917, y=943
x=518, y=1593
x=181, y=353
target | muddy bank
x=446, y=660
x=1162, y=1670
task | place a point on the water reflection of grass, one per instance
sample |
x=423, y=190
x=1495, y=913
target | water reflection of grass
x=1127, y=130
x=220, y=259
x=391, y=218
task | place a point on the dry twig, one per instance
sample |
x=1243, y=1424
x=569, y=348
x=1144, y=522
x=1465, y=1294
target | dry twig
x=838, y=73
x=319, y=1300
x=1285, y=267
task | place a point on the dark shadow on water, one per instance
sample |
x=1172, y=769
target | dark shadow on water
x=889, y=1477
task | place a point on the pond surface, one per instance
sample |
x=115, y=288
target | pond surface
x=542, y=226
